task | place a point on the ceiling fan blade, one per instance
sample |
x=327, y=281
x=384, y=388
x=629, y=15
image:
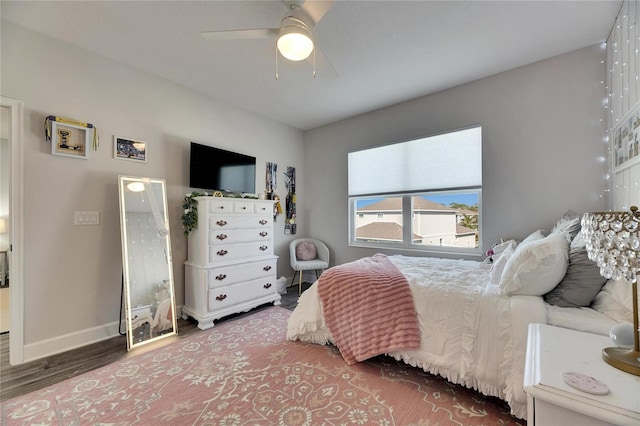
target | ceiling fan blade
x=240, y=34
x=316, y=9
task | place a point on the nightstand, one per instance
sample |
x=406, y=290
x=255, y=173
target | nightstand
x=552, y=351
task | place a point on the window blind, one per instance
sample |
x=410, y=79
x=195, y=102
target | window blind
x=451, y=160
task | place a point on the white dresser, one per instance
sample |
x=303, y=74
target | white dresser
x=552, y=351
x=231, y=267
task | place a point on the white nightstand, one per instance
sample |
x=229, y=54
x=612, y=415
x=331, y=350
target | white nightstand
x=552, y=351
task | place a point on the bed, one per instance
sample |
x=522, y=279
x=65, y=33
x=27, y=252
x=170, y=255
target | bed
x=472, y=317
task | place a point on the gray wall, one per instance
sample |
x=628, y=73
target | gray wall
x=73, y=273
x=542, y=147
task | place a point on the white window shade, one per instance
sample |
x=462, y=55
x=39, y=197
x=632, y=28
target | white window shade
x=452, y=160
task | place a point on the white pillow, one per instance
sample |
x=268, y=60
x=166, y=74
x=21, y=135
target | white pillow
x=614, y=300
x=568, y=223
x=498, y=265
x=536, y=267
x=534, y=236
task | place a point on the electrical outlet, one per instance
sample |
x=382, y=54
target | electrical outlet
x=86, y=218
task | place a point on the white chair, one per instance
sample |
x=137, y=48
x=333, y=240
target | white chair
x=302, y=257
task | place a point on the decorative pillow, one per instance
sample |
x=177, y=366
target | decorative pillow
x=536, y=267
x=498, y=265
x=569, y=223
x=534, y=236
x=305, y=250
x=614, y=300
x=583, y=281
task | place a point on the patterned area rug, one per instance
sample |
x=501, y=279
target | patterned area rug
x=245, y=372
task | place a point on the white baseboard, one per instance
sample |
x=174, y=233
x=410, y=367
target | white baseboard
x=78, y=339
x=67, y=342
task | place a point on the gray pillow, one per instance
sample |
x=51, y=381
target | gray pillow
x=582, y=282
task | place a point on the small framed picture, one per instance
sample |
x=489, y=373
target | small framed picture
x=129, y=149
x=70, y=140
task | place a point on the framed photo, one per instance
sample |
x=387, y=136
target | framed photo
x=70, y=140
x=626, y=140
x=129, y=149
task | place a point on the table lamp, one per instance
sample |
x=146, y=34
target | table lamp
x=613, y=242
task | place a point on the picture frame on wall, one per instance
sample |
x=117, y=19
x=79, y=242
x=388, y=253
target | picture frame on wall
x=626, y=140
x=70, y=140
x=129, y=149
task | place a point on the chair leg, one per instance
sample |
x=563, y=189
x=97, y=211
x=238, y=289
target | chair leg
x=300, y=284
x=293, y=278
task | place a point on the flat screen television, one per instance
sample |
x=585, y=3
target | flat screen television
x=216, y=169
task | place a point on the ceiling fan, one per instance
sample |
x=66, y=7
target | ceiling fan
x=294, y=39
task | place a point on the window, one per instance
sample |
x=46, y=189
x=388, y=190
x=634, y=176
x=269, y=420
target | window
x=423, y=194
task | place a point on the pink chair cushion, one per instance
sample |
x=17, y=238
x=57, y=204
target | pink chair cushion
x=306, y=250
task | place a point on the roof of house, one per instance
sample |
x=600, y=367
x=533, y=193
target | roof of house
x=468, y=212
x=464, y=230
x=395, y=204
x=382, y=231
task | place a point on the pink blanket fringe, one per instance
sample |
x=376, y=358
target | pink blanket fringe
x=368, y=307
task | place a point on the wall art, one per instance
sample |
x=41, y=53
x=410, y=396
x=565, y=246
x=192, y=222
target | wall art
x=626, y=140
x=70, y=138
x=129, y=149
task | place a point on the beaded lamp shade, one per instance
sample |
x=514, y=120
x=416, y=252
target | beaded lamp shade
x=613, y=242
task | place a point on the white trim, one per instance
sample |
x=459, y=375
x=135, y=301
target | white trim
x=16, y=231
x=75, y=340
x=70, y=341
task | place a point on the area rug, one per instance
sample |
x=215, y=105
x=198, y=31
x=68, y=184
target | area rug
x=245, y=372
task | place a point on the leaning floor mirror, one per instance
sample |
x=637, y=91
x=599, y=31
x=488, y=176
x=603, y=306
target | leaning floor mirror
x=146, y=257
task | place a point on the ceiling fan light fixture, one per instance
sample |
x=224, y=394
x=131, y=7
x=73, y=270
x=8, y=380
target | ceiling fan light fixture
x=294, y=41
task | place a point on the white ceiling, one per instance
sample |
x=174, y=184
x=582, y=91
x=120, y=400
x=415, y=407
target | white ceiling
x=380, y=52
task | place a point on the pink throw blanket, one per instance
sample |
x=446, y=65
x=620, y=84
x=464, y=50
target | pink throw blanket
x=368, y=307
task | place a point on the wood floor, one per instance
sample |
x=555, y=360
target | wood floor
x=28, y=377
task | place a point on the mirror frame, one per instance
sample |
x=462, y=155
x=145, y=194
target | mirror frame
x=145, y=183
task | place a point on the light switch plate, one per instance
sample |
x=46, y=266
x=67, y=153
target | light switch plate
x=86, y=218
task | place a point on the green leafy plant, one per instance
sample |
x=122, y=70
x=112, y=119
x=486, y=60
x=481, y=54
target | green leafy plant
x=190, y=215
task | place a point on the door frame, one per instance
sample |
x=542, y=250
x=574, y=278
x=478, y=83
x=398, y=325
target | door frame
x=16, y=228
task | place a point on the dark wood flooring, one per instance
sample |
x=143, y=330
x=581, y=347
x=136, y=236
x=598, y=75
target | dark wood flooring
x=28, y=377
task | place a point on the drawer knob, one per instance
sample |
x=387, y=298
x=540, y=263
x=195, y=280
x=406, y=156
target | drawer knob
x=221, y=277
x=263, y=248
x=221, y=236
x=263, y=234
x=266, y=268
x=221, y=222
x=267, y=285
x=221, y=297
x=221, y=207
x=244, y=207
x=222, y=252
x=263, y=222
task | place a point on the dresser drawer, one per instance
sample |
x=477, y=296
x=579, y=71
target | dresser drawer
x=263, y=208
x=219, y=222
x=245, y=207
x=220, y=206
x=225, y=253
x=227, y=275
x=223, y=297
x=231, y=236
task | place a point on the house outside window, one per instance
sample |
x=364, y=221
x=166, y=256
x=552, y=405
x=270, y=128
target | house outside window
x=434, y=203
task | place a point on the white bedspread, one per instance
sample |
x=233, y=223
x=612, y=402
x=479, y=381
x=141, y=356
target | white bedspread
x=470, y=334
